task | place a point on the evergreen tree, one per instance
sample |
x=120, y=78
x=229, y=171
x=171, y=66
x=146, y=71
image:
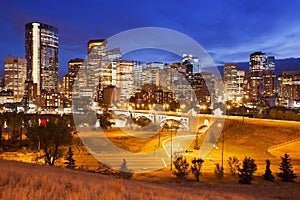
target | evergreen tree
x=182, y=167
x=124, y=166
x=124, y=172
x=246, y=173
x=268, y=173
x=70, y=162
x=196, y=167
x=286, y=168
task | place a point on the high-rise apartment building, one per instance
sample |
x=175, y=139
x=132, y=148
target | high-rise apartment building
x=101, y=67
x=240, y=85
x=125, y=79
x=230, y=80
x=15, y=76
x=194, y=64
x=69, y=79
x=41, y=52
x=262, y=80
x=289, y=89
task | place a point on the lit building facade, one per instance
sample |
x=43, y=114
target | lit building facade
x=15, y=76
x=230, y=81
x=41, y=52
x=125, y=79
x=240, y=85
x=100, y=67
x=289, y=89
x=261, y=82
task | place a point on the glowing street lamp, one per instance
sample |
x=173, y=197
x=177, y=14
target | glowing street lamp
x=204, y=107
x=228, y=108
x=172, y=124
x=166, y=106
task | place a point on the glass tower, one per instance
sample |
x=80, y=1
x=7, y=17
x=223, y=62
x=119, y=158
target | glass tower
x=41, y=52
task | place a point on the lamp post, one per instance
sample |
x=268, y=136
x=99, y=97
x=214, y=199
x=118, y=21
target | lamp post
x=228, y=108
x=170, y=124
x=204, y=107
x=223, y=139
x=171, y=149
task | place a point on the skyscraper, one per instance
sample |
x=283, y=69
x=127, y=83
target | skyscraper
x=41, y=52
x=261, y=83
x=14, y=76
x=125, y=79
x=230, y=80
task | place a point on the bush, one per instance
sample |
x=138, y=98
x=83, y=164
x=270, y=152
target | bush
x=196, y=167
x=286, y=168
x=233, y=164
x=246, y=173
x=182, y=167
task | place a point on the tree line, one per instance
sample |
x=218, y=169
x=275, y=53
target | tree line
x=243, y=170
x=48, y=134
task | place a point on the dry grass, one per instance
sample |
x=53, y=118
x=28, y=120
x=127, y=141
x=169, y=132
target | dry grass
x=28, y=181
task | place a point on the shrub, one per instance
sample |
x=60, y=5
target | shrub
x=233, y=164
x=182, y=167
x=286, y=168
x=196, y=167
x=246, y=173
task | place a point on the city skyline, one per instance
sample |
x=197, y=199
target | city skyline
x=213, y=25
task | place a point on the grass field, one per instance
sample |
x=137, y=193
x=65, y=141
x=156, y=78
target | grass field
x=20, y=181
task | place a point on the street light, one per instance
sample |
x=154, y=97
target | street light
x=204, y=107
x=170, y=124
x=228, y=108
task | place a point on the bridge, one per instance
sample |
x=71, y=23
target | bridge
x=156, y=117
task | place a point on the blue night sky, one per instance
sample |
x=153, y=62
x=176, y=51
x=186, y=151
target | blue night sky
x=229, y=30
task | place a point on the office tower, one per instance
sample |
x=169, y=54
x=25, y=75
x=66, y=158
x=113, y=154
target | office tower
x=125, y=79
x=138, y=75
x=73, y=68
x=151, y=74
x=101, y=67
x=69, y=79
x=240, y=85
x=97, y=49
x=66, y=87
x=262, y=80
x=15, y=76
x=289, y=89
x=193, y=61
x=230, y=81
x=200, y=88
x=41, y=52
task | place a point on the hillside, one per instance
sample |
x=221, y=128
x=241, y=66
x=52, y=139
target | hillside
x=27, y=181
